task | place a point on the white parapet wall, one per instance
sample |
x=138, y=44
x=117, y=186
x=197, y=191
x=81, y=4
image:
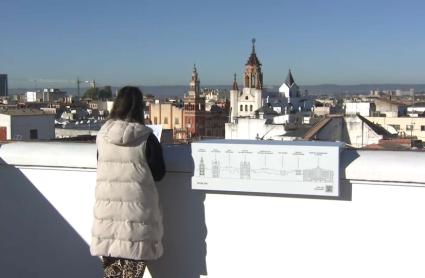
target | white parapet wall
x=375, y=229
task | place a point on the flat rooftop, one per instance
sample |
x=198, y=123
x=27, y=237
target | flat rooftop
x=24, y=112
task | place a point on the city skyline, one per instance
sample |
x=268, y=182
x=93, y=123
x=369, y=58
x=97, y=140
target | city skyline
x=150, y=43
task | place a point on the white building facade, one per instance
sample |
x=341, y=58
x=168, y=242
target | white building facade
x=254, y=129
x=34, y=96
x=365, y=109
x=291, y=91
x=27, y=125
x=291, y=94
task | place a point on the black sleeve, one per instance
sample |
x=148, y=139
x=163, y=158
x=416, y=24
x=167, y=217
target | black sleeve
x=154, y=157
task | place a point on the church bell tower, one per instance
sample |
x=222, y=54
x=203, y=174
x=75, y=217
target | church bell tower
x=253, y=76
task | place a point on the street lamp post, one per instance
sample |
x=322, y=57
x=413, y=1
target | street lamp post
x=412, y=124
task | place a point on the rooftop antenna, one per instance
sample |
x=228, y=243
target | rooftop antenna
x=35, y=84
x=78, y=86
x=413, y=99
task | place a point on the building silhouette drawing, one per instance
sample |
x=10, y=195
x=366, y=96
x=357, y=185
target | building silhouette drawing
x=215, y=168
x=298, y=171
x=318, y=175
x=245, y=170
x=202, y=167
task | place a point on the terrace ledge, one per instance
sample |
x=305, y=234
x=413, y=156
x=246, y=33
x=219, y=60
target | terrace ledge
x=403, y=168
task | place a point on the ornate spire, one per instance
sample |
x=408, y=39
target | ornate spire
x=289, y=79
x=194, y=83
x=253, y=76
x=235, y=83
x=194, y=73
x=253, y=60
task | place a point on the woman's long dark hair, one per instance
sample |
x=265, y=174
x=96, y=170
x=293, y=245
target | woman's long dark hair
x=128, y=106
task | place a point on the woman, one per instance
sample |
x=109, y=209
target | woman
x=127, y=228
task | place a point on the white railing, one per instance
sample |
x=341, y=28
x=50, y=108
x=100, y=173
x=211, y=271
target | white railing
x=375, y=229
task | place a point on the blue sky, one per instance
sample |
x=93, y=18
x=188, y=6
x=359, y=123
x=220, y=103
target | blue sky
x=148, y=42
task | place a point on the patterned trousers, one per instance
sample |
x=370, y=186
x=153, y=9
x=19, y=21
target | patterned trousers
x=122, y=268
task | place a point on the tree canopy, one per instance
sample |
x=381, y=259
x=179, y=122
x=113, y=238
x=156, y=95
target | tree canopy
x=102, y=93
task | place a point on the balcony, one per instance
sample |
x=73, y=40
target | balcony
x=374, y=229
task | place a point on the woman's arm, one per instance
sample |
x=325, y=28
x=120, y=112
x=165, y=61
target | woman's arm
x=155, y=158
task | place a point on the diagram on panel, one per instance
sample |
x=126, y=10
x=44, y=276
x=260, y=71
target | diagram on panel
x=298, y=154
x=245, y=170
x=267, y=165
x=202, y=167
x=309, y=168
x=318, y=174
x=215, y=168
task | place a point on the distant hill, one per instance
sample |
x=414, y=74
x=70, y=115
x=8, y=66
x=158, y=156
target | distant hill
x=158, y=91
x=332, y=89
x=329, y=89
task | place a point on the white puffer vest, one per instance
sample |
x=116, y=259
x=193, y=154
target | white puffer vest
x=127, y=217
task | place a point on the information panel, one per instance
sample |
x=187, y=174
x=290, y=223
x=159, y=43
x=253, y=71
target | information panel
x=296, y=167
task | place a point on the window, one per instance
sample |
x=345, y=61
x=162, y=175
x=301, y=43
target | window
x=176, y=121
x=246, y=98
x=165, y=120
x=250, y=108
x=155, y=120
x=246, y=108
x=33, y=134
x=422, y=127
x=409, y=127
x=241, y=107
